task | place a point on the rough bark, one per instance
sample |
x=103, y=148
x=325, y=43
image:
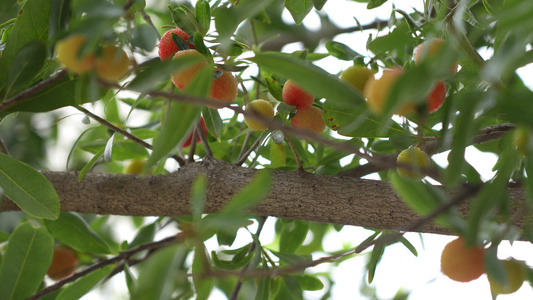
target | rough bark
x=295, y=195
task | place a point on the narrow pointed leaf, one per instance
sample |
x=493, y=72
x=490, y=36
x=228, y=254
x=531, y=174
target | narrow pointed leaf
x=83, y=285
x=74, y=232
x=28, y=188
x=27, y=258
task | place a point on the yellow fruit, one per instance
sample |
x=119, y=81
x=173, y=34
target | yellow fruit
x=515, y=274
x=309, y=118
x=462, y=263
x=262, y=108
x=377, y=91
x=357, y=76
x=64, y=263
x=417, y=159
x=135, y=166
x=429, y=49
x=68, y=50
x=114, y=63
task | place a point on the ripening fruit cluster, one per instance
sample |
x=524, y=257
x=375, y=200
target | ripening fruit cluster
x=111, y=63
x=376, y=90
x=64, y=263
x=224, y=87
x=307, y=116
x=463, y=263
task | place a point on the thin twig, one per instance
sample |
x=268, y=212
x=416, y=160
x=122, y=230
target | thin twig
x=124, y=255
x=126, y=134
x=193, y=145
x=201, y=134
x=237, y=288
x=295, y=153
x=32, y=90
x=243, y=158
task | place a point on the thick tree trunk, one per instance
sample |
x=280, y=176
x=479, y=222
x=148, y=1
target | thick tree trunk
x=295, y=195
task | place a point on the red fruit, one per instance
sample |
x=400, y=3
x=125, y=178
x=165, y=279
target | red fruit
x=64, y=263
x=293, y=94
x=224, y=88
x=436, y=98
x=309, y=118
x=188, y=142
x=167, y=47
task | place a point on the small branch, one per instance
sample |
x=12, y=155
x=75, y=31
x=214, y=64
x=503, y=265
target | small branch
x=388, y=161
x=32, y=90
x=148, y=20
x=124, y=255
x=193, y=145
x=295, y=153
x=243, y=157
x=126, y=134
x=238, y=285
x=201, y=134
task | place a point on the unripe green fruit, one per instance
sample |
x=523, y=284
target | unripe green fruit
x=309, y=118
x=417, y=159
x=515, y=274
x=67, y=51
x=293, y=94
x=357, y=76
x=114, y=63
x=262, y=108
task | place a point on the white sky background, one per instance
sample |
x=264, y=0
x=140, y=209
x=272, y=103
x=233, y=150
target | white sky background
x=399, y=269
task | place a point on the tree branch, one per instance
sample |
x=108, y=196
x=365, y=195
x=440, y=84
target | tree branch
x=294, y=195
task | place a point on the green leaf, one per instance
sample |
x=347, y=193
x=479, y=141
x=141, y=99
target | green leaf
x=131, y=281
x=203, y=15
x=375, y=3
x=263, y=289
x=299, y=9
x=309, y=77
x=26, y=65
x=31, y=25
x=213, y=122
x=274, y=88
x=250, y=195
x=375, y=258
x=60, y=13
x=226, y=21
x=180, y=118
x=184, y=18
x=144, y=37
x=28, y=188
x=293, y=235
x=341, y=51
x=198, y=195
x=201, y=265
x=319, y=4
x=350, y=119
x=408, y=245
x=145, y=235
x=158, y=276
x=27, y=258
x=63, y=92
x=73, y=231
x=292, y=259
x=84, y=284
x=309, y=282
